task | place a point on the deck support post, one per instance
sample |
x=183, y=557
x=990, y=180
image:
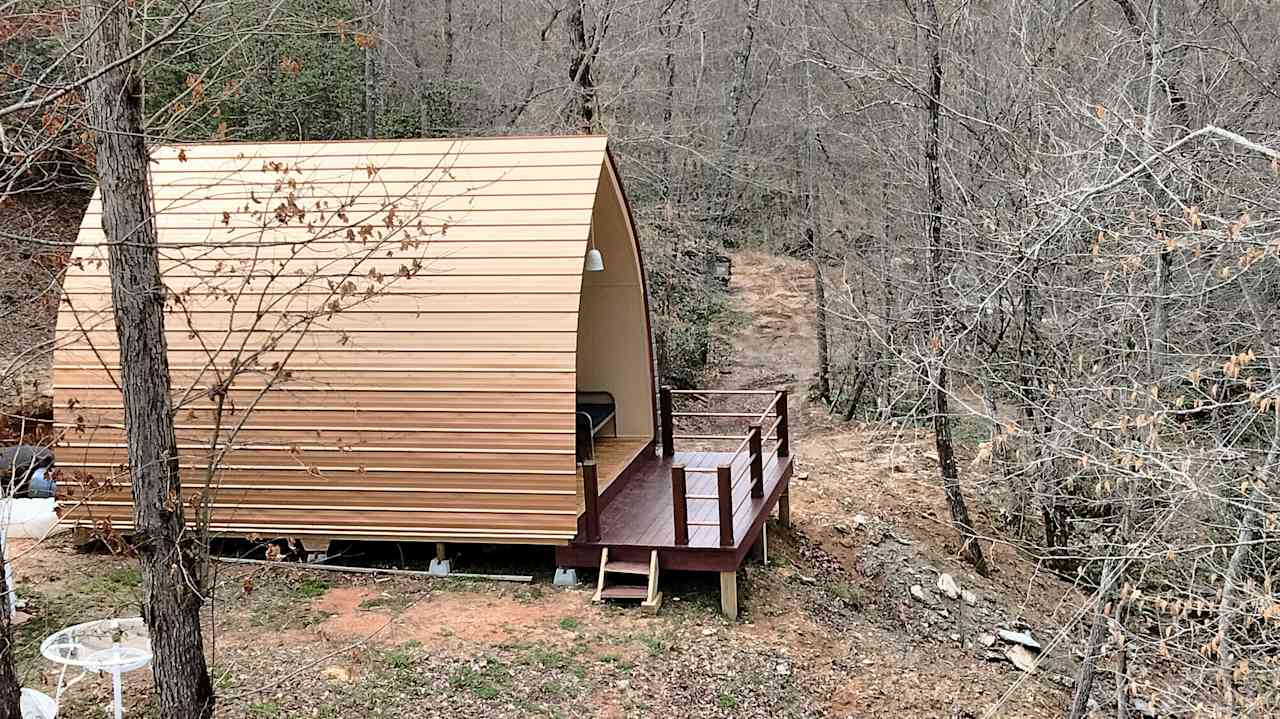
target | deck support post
x=668, y=431
x=729, y=595
x=591, y=499
x=724, y=495
x=784, y=432
x=680, y=504
x=755, y=446
x=760, y=549
x=784, y=508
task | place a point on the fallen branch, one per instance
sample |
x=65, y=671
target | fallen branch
x=526, y=578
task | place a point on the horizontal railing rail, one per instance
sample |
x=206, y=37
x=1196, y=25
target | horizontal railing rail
x=750, y=447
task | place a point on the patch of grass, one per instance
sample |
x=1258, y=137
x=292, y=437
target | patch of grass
x=117, y=581
x=398, y=659
x=852, y=595
x=553, y=688
x=727, y=700
x=310, y=588
x=528, y=708
x=546, y=657
x=486, y=681
x=656, y=646
x=285, y=614
x=622, y=664
x=264, y=710
x=569, y=624
x=529, y=594
x=51, y=613
x=224, y=680
x=129, y=577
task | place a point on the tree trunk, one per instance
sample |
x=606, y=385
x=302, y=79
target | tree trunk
x=10, y=690
x=421, y=83
x=813, y=227
x=937, y=317
x=670, y=30
x=446, y=68
x=170, y=559
x=370, y=72
x=1251, y=520
x=720, y=182
x=1097, y=633
x=580, y=69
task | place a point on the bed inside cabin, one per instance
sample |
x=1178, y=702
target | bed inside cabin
x=615, y=402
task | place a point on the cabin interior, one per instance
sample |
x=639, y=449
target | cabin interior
x=615, y=412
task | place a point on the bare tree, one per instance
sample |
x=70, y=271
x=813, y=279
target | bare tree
x=170, y=557
x=938, y=340
x=812, y=226
x=719, y=190
x=585, y=46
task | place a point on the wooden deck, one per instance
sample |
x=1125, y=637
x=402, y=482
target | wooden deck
x=636, y=512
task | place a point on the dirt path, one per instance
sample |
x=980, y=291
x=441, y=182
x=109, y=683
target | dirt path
x=771, y=343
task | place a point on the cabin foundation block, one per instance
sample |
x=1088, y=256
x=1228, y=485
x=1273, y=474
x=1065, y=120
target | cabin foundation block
x=729, y=595
x=565, y=577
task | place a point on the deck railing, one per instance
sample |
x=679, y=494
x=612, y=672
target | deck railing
x=752, y=444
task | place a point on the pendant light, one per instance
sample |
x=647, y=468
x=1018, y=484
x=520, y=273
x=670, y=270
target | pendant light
x=595, y=260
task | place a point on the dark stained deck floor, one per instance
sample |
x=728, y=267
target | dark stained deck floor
x=637, y=514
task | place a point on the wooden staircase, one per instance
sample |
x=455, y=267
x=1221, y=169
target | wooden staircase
x=648, y=594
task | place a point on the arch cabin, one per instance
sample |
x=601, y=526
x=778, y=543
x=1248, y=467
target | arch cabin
x=411, y=340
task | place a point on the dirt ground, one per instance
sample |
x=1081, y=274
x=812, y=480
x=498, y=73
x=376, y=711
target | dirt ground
x=844, y=620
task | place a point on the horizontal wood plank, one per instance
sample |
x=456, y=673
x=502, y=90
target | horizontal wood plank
x=316, y=456
x=313, y=416
x=411, y=266
x=298, y=321
x=389, y=358
x=240, y=286
x=320, y=202
x=516, y=303
x=366, y=339
x=510, y=147
x=355, y=397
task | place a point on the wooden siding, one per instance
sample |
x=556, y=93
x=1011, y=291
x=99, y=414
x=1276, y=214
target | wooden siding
x=435, y=403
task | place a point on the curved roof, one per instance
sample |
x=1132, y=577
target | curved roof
x=424, y=297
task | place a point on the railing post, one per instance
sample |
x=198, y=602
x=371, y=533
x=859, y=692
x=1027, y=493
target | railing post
x=755, y=446
x=664, y=411
x=591, y=499
x=680, y=504
x=784, y=434
x=724, y=493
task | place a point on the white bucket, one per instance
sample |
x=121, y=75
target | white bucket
x=28, y=518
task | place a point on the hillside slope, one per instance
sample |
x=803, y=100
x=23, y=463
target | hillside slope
x=871, y=522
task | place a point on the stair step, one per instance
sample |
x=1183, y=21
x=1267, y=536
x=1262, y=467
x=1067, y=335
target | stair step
x=623, y=591
x=641, y=568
